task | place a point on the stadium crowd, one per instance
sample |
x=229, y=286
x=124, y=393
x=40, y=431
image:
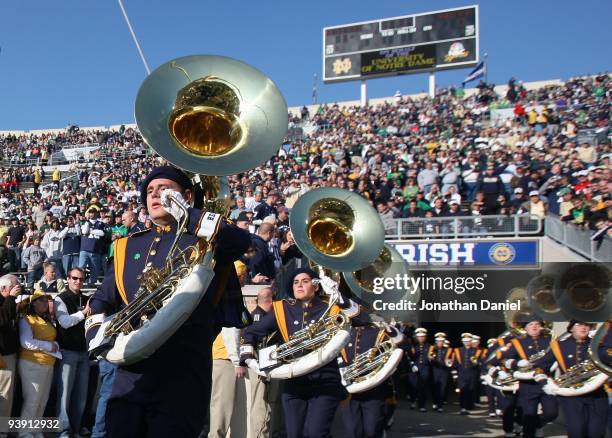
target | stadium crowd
x=410, y=157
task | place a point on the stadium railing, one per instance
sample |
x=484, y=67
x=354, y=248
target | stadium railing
x=465, y=226
x=579, y=240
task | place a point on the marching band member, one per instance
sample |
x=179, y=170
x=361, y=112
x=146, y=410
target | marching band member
x=530, y=392
x=441, y=362
x=450, y=382
x=364, y=413
x=605, y=348
x=511, y=411
x=585, y=415
x=465, y=362
x=481, y=353
x=421, y=367
x=493, y=395
x=146, y=400
x=314, y=396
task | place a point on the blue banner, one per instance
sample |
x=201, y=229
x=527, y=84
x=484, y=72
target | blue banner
x=489, y=253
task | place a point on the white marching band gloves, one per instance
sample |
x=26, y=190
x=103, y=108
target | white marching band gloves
x=169, y=200
x=502, y=375
x=508, y=363
x=524, y=363
x=209, y=223
x=253, y=365
x=330, y=287
x=540, y=377
x=493, y=371
x=550, y=388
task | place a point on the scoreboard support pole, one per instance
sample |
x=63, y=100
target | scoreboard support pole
x=364, y=93
x=432, y=84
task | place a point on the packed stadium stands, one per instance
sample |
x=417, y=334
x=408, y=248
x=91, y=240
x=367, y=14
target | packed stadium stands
x=533, y=151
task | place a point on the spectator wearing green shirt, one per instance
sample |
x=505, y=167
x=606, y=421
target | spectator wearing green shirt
x=118, y=230
x=411, y=189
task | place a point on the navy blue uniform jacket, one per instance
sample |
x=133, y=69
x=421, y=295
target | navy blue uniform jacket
x=182, y=367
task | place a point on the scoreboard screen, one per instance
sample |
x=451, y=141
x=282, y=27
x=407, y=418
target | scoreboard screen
x=400, y=45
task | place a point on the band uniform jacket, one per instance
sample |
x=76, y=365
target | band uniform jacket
x=287, y=317
x=466, y=369
x=188, y=353
x=568, y=353
x=362, y=339
x=420, y=355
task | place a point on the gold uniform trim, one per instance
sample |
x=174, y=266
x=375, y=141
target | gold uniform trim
x=556, y=349
x=458, y=355
x=449, y=354
x=519, y=348
x=119, y=260
x=279, y=313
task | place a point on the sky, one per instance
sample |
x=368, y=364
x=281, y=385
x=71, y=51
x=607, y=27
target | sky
x=73, y=61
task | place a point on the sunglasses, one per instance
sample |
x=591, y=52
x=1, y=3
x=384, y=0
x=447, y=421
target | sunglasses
x=76, y=278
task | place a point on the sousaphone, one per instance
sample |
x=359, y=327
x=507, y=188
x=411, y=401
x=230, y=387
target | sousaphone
x=338, y=230
x=210, y=116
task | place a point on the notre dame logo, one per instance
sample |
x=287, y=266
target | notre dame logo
x=342, y=66
x=502, y=253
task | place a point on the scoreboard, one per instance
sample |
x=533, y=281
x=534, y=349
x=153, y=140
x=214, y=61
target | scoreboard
x=413, y=43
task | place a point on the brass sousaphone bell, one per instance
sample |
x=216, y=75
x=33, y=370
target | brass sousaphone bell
x=541, y=299
x=211, y=115
x=583, y=291
x=389, y=264
x=337, y=229
x=516, y=318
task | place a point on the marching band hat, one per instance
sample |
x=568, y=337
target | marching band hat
x=168, y=172
x=529, y=318
x=475, y=338
x=466, y=336
x=446, y=343
x=491, y=342
x=440, y=335
x=440, y=338
x=420, y=331
x=573, y=322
